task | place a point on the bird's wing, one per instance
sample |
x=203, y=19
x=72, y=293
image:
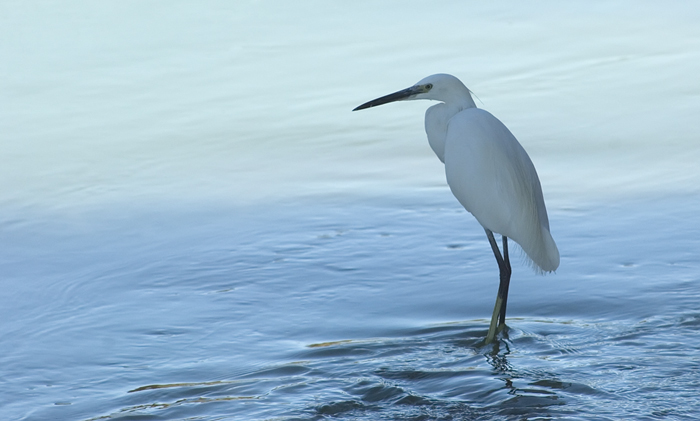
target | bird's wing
x=492, y=176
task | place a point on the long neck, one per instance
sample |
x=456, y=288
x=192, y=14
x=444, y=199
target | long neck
x=436, y=119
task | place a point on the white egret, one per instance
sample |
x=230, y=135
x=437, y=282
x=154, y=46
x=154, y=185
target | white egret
x=490, y=174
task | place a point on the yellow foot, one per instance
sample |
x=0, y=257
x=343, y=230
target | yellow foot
x=494, y=329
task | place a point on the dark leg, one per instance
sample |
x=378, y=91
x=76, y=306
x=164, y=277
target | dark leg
x=499, y=311
x=505, y=281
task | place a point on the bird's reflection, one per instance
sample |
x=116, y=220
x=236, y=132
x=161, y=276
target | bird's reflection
x=538, y=393
x=497, y=356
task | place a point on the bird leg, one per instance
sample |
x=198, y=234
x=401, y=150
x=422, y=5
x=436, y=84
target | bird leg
x=499, y=311
x=505, y=281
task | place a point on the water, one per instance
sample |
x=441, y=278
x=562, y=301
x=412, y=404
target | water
x=194, y=226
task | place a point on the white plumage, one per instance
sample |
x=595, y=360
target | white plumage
x=488, y=171
x=493, y=178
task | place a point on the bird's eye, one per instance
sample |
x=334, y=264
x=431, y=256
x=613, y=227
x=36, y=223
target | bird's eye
x=429, y=86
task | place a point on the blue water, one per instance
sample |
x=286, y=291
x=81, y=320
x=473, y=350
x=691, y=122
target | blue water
x=355, y=311
x=193, y=225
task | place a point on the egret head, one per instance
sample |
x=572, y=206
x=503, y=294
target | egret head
x=439, y=87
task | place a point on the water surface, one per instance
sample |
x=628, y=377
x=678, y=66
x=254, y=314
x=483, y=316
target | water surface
x=193, y=225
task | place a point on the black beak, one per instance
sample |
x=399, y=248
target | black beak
x=396, y=96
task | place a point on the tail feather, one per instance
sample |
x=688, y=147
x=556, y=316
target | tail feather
x=542, y=251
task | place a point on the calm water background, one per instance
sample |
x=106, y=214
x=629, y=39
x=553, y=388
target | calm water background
x=193, y=225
